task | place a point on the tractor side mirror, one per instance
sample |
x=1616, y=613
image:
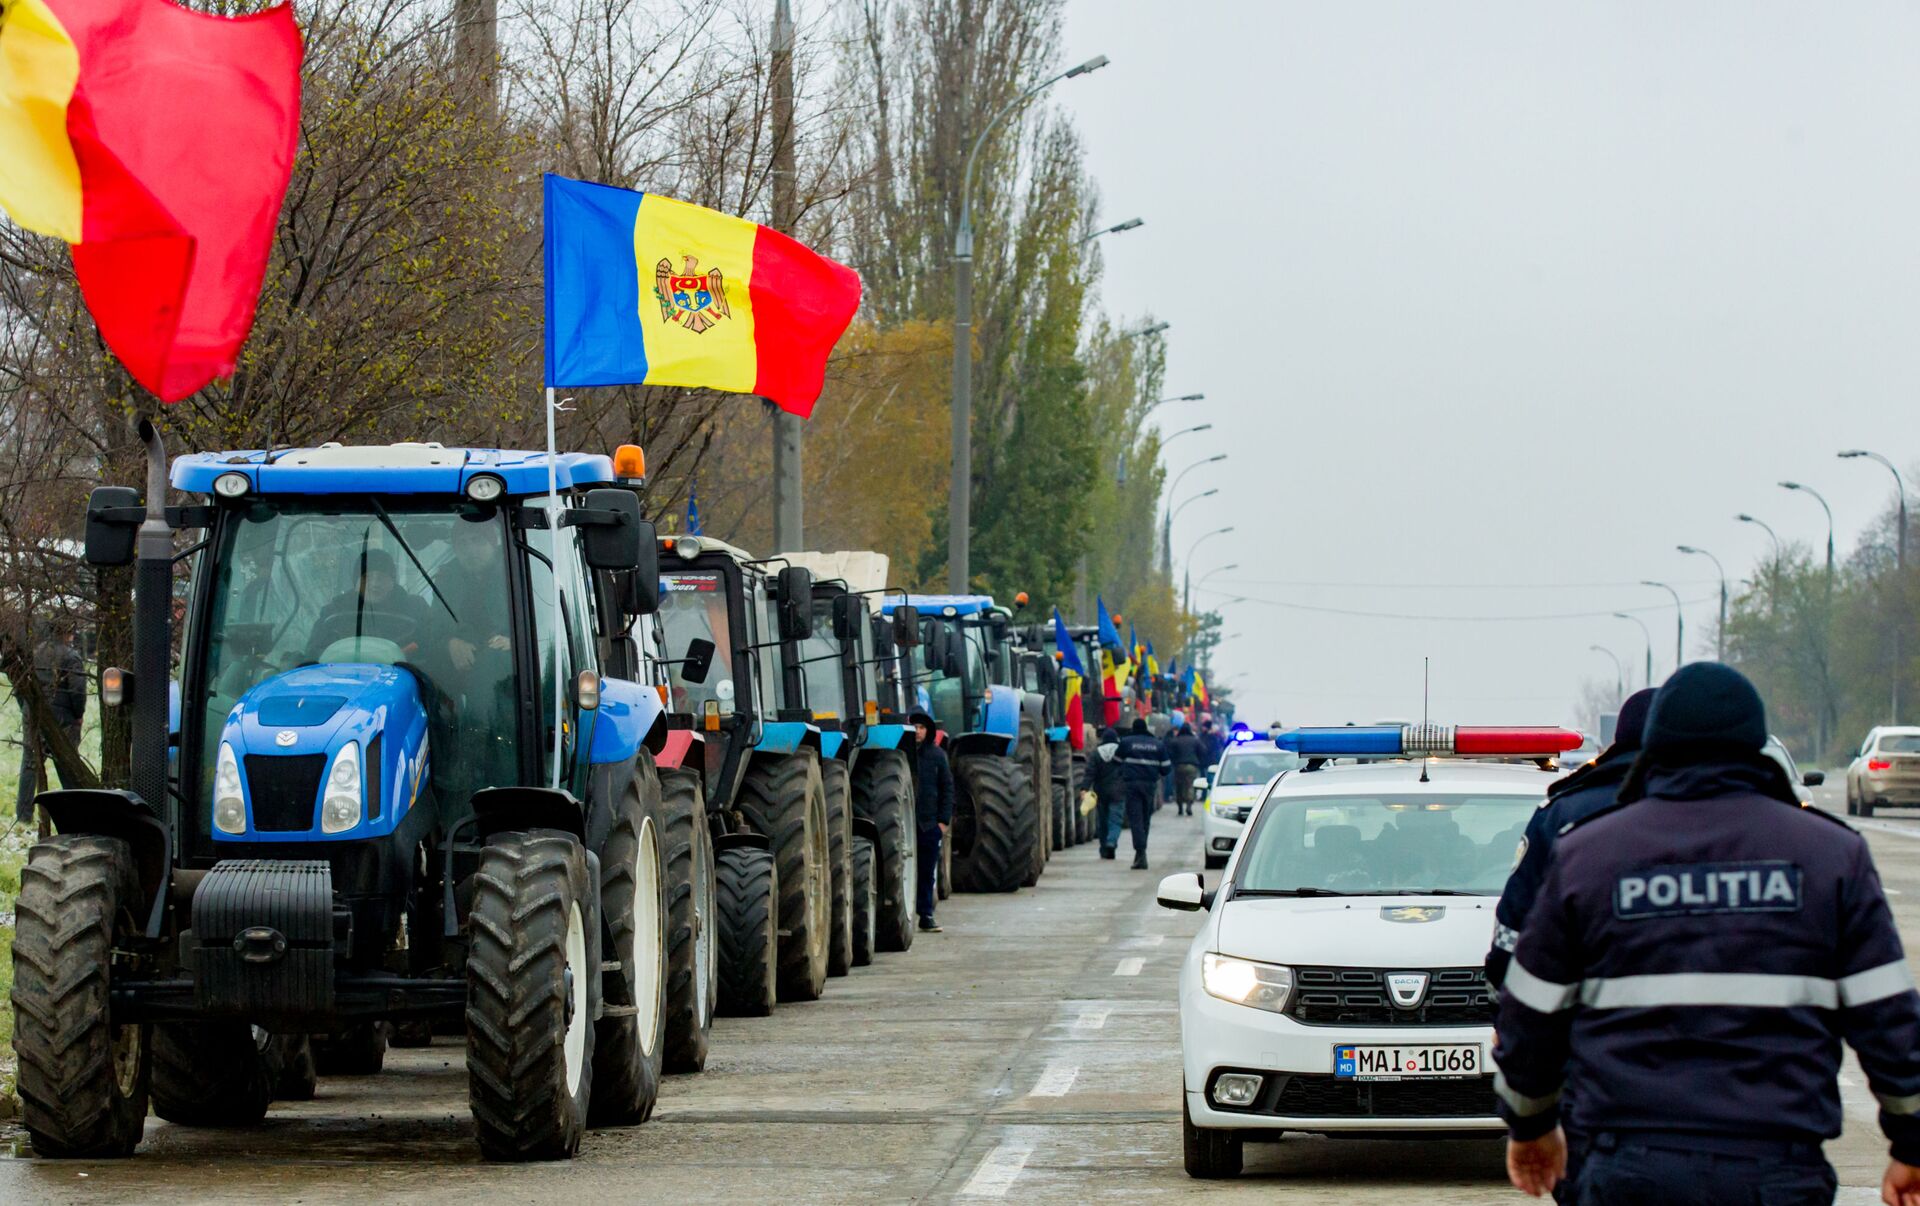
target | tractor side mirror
x=1813, y=778
x=699, y=661
x=110, y=541
x=621, y=543
x=906, y=626
x=794, y=591
x=846, y=616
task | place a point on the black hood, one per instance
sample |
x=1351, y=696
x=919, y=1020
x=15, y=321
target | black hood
x=1703, y=739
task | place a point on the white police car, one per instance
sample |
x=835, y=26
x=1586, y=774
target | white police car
x=1235, y=783
x=1337, y=985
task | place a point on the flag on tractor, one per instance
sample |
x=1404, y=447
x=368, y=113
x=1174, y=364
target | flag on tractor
x=1153, y=663
x=1075, y=671
x=693, y=512
x=1200, y=690
x=646, y=290
x=1112, y=672
x=1109, y=634
x=157, y=141
x=1186, y=684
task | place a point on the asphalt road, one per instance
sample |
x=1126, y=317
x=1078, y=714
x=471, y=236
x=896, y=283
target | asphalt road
x=1030, y=1053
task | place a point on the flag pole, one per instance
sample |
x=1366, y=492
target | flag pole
x=553, y=571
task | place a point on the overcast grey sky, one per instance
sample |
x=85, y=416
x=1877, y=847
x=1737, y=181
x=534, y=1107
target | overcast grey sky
x=1514, y=294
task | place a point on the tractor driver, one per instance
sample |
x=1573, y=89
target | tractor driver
x=374, y=607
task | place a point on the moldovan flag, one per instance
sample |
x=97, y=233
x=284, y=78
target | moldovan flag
x=1075, y=671
x=646, y=290
x=158, y=142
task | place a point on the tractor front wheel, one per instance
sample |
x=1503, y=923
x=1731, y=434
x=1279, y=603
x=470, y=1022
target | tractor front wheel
x=746, y=900
x=692, y=927
x=628, y=1038
x=839, y=790
x=783, y=799
x=532, y=992
x=212, y=1073
x=82, y=1079
x=883, y=794
x=359, y=1050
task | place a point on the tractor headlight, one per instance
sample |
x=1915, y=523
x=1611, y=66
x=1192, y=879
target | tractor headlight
x=485, y=488
x=229, y=810
x=340, y=810
x=231, y=485
x=1244, y=982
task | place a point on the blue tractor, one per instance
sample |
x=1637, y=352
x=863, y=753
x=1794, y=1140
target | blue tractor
x=966, y=668
x=412, y=780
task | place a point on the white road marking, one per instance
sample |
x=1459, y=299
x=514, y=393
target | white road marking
x=1130, y=966
x=1056, y=1080
x=996, y=1171
x=1091, y=1019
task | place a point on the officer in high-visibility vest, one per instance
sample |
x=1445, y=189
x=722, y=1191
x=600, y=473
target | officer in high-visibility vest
x=1694, y=959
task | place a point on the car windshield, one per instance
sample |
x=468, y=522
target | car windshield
x=304, y=581
x=1899, y=743
x=1366, y=845
x=1240, y=770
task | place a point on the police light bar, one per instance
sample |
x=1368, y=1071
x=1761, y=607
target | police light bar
x=1428, y=740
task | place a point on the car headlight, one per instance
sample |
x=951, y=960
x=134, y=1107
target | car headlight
x=1244, y=982
x=229, y=810
x=340, y=809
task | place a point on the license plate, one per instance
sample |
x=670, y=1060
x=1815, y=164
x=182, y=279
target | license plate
x=1428, y=1062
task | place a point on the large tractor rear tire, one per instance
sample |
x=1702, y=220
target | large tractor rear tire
x=883, y=794
x=997, y=850
x=866, y=896
x=1030, y=750
x=834, y=780
x=691, y=925
x=358, y=1050
x=82, y=1081
x=532, y=992
x=1060, y=779
x=629, y=1040
x=746, y=903
x=211, y=1073
x=784, y=799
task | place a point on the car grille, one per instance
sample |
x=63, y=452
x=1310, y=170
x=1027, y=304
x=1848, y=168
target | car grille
x=283, y=789
x=1326, y=1097
x=1357, y=996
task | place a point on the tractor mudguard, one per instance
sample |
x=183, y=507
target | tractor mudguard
x=835, y=745
x=787, y=737
x=123, y=815
x=1058, y=734
x=979, y=743
x=731, y=841
x=510, y=809
x=680, y=747
x=627, y=715
x=864, y=827
x=884, y=736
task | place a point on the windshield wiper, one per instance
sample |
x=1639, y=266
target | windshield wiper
x=406, y=548
x=1239, y=892
x=1431, y=892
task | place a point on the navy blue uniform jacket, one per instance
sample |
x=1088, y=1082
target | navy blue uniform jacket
x=1143, y=758
x=933, y=789
x=1692, y=964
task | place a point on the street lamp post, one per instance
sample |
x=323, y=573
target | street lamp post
x=1162, y=402
x=1151, y=329
x=1186, y=604
x=1619, y=673
x=1166, y=529
x=1218, y=569
x=1645, y=632
x=1679, y=623
x=1900, y=570
x=1168, y=439
x=1129, y=224
x=960, y=497
x=1826, y=625
x=1720, y=642
x=1219, y=456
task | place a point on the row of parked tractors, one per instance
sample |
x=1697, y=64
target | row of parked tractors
x=448, y=741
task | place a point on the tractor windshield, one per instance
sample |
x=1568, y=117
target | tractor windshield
x=304, y=581
x=693, y=606
x=821, y=665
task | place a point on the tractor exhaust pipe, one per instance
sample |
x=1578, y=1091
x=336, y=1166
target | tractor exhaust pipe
x=153, y=636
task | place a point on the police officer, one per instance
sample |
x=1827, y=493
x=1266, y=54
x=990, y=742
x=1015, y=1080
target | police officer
x=1693, y=958
x=1569, y=801
x=1186, y=751
x=1143, y=763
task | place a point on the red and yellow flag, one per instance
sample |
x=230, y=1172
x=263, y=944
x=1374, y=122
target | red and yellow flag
x=158, y=141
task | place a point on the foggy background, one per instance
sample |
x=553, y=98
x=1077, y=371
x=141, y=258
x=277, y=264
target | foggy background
x=1494, y=304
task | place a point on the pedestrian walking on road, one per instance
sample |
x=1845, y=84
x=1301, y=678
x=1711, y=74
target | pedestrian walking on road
x=933, y=809
x=1186, y=751
x=1143, y=762
x=1690, y=966
x=62, y=677
x=1589, y=790
x=1109, y=791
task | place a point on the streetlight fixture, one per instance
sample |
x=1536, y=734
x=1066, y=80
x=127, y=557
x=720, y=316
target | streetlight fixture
x=1164, y=401
x=1175, y=513
x=1720, y=644
x=1764, y=526
x=1166, y=528
x=1154, y=329
x=1129, y=224
x=1899, y=565
x=1221, y=456
x=960, y=497
x=1219, y=569
x=1186, y=604
x=1645, y=632
x=1619, y=673
x=1679, y=622
x=1168, y=439
x=1829, y=510
x=1826, y=651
